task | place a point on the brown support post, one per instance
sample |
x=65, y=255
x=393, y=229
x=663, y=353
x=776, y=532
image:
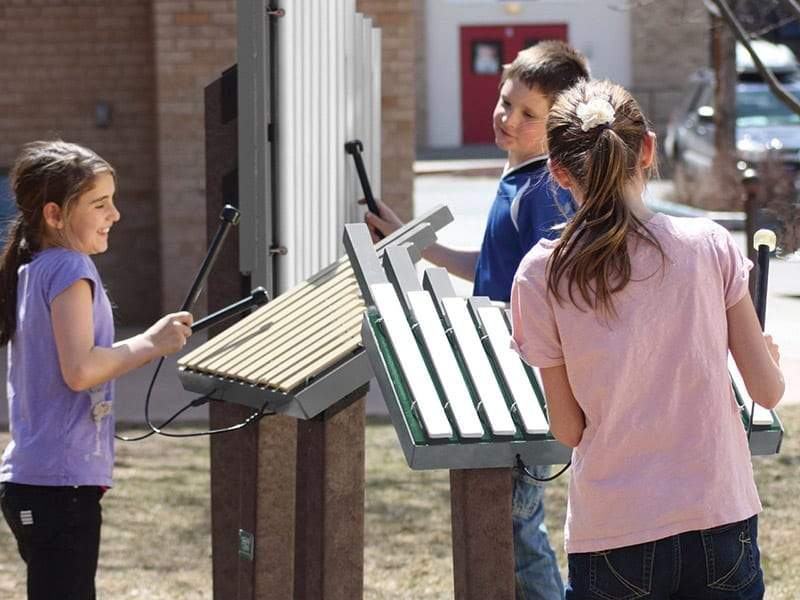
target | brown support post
x=483, y=544
x=275, y=499
x=329, y=554
x=296, y=486
x=252, y=470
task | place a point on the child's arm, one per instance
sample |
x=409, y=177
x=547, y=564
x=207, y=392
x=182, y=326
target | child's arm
x=756, y=356
x=458, y=262
x=84, y=365
x=567, y=420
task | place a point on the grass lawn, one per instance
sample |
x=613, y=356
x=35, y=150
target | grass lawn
x=156, y=537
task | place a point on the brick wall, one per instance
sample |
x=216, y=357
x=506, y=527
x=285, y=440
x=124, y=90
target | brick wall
x=56, y=62
x=194, y=41
x=396, y=19
x=670, y=42
x=151, y=61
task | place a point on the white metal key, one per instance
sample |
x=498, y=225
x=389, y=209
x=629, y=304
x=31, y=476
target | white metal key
x=491, y=397
x=444, y=361
x=527, y=403
x=429, y=407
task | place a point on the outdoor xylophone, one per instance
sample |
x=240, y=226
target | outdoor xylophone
x=458, y=395
x=301, y=353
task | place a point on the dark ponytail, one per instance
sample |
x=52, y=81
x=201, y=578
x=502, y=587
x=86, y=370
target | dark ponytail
x=51, y=171
x=592, y=251
x=17, y=252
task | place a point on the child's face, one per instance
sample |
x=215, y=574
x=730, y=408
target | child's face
x=519, y=121
x=91, y=217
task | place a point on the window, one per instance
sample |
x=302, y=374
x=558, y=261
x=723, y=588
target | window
x=486, y=57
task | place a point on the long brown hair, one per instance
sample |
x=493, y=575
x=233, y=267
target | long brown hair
x=44, y=171
x=592, y=251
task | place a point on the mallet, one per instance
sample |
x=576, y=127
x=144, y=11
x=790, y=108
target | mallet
x=355, y=148
x=764, y=241
x=258, y=297
x=229, y=216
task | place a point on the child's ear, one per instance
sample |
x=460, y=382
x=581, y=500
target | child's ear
x=53, y=215
x=648, y=152
x=559, y=174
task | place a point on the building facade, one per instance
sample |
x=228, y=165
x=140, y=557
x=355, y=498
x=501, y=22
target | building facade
x=126, y=78
x=650, y=47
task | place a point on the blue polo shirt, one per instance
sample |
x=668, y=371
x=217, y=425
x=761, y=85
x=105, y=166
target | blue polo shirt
x=525, y=209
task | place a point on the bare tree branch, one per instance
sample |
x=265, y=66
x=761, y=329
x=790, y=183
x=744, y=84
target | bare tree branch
x=777, y=88
x=795, y=6
x=772, y=27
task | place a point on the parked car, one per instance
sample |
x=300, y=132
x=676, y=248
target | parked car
x=764, y=124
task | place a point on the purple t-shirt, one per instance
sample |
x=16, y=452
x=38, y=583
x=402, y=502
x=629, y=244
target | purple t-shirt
x=58, y=436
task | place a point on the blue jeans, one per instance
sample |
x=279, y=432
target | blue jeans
x=536, y=570
x=712, y=564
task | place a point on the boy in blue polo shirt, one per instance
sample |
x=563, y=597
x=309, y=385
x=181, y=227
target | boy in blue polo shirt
x=526, y=208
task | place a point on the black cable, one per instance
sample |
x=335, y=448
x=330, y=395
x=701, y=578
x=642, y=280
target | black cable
x=521, y=466
x=199, y=401
x=254, y=418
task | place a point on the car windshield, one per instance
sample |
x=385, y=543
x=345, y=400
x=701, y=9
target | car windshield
x=761, y=108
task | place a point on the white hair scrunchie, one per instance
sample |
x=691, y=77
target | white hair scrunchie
x=596, y=111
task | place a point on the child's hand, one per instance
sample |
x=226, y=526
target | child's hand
x=170, y=332
x=773, y=349
x=386, y=223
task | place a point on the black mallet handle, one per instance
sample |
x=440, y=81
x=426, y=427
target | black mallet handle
x=257, y=297
x=229, y=216
x=764, y=241
x=354, y=148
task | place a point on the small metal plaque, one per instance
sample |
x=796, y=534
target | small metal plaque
x=247, y=544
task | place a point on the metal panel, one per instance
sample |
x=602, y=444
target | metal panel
x=444, y=362
x=376, y=143
x=339, y=118
x=289, y=137
x=402, y=273
x=492, y=401
x=327, y=96
x=473, y=455
x=513, y=372
x=417, y=376
x=254, y=110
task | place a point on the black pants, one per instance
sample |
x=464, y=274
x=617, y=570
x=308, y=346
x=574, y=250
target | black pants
x=58, y=536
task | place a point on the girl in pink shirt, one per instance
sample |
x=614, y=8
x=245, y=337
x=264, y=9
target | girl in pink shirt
x=630, y=315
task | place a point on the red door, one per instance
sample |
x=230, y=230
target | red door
x=484, y=51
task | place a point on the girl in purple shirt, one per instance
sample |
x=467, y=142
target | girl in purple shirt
x=630, y=315
x=56, y=318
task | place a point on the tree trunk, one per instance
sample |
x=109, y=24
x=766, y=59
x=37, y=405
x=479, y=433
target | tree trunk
x=727, y=192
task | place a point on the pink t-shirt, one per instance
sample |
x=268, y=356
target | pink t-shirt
x=664, y=450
